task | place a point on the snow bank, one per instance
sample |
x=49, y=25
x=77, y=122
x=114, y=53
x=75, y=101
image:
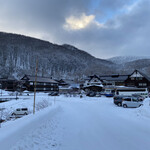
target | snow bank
x=24, y=101
x=145, y=109
x=13, y=130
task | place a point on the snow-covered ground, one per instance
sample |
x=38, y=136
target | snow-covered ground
x=24, y=101
x=73, y=123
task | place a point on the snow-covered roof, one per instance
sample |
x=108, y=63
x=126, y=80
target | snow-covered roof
x=144, y=75
x=93, y=86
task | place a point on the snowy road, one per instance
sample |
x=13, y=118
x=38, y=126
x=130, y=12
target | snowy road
x=99, y=125
x=88, y=124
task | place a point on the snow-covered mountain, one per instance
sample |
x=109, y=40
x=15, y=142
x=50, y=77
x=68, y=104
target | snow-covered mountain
x=18, y=56
x=125, y=59
x=126, y=64
x=140, y=64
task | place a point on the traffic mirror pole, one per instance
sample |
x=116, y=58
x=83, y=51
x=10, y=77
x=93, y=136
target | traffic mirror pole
x=35, y=85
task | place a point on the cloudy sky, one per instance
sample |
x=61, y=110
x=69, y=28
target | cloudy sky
x=103, y=28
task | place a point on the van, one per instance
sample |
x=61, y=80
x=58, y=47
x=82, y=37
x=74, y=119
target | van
x=21, y=111
x=132, y=102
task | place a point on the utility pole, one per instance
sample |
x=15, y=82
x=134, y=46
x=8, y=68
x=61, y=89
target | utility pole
x=35, y=85
x=1, y=89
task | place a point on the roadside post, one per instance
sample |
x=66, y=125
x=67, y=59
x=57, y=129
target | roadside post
x=149, y=98
x=1, y=89
x=1, y=110
x=54, y=99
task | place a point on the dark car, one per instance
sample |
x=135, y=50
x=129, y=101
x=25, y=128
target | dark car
x=118, y=100
x=53, y=94
x=91, y=94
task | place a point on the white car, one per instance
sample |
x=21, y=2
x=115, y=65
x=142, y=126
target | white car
x=131, y=102
x=20, y=111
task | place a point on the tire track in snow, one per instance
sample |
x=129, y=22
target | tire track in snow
x=47, y=136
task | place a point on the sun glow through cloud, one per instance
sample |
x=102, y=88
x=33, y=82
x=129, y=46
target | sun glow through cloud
x=108, y=26
x=75, y=23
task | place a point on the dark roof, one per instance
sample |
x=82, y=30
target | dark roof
x=94, y=76
x=8, y=79
x=62, y=82
x=68, y=81
x=39, y=79
x=114, y=77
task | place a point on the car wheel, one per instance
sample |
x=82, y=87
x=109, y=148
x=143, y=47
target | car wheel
x=25, y=113
x=119, y=104
x=13, y=114
x=124, y=105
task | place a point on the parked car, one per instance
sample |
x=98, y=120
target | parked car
x=91, y=94
x=118, y=99
x=53, y=94
x=20, y=111
x=132, y=102
x=140, y=98
x=98, y=94
x=109, y=92
x=2, y=120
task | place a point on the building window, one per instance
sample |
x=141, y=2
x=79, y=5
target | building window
x=31, y=83
x=39, y=83
x=142, y=84
x=48, y=84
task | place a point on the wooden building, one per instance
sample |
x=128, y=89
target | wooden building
x=138, y=79
x=114, y=80
x=93, y=83
x=9, y=84
x=42, y=84
x=67, y=86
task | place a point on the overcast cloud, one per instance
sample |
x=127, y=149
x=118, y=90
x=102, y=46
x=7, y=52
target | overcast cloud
x=104, y=28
